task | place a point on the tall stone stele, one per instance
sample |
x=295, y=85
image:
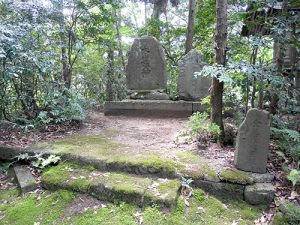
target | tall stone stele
x=146, y=74
x=253, y=138
x=190, y=86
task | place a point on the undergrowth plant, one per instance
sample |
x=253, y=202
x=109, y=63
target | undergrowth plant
x=289, y=143
x=201, y=127
x=38, y=161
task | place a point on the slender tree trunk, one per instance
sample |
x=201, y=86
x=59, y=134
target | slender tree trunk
x=217, y=86
x=66, y=72
x=253, y=62
x=261, y=95
x=121, y=55
x=190, y=27
x=110, y=76
x=158, y=7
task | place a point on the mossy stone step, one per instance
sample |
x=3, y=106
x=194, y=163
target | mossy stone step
x=113, y=187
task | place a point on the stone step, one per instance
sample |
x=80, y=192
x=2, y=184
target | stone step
x=24, y=178
x=226, y=183
x=113, y=187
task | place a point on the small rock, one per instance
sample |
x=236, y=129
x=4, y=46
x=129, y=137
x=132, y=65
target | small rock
x=259, y=193
x=262, y=178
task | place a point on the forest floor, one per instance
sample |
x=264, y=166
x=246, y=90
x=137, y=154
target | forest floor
x=138, y=136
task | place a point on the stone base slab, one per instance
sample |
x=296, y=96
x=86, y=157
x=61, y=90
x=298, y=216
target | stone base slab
x=152, y=107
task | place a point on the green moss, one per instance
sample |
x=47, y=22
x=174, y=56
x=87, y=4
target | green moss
x=236, y=176
x=203, y=209
x=111, y=215
x=279, y=219
x=5, y=195
x=168, y=185
x=199, y=195
x=31, y=208
x=83, y=145
x=151, y=161
x=57, y=174
x=128, y=184
x=80, y=184
x=89, y=168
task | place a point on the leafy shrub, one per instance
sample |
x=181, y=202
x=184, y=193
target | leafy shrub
x=288, y=140
x=202, y=128
x=62, y=105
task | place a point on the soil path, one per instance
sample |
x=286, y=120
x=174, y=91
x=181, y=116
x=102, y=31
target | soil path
x=142, y=132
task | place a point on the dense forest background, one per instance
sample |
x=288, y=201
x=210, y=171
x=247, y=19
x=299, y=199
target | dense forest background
x=60, y=57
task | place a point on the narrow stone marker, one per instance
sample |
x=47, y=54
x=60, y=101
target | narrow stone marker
x=25, y=179
x=252, y=149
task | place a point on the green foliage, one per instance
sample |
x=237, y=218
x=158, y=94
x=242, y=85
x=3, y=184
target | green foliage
x=186, y=183
x=291, y=213
x=38, y=160
x=289, y=140
x=62, y=105
x=294, y=177
x=199, y=125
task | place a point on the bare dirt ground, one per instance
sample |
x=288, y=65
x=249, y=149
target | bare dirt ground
x=142, y=132
x=153, y=133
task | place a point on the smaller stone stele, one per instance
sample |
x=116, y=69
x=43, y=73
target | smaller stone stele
x=190, y=86
x=253, y=138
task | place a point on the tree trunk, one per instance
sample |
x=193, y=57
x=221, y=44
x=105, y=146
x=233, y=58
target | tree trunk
x=190, y=28
x=217, y=87
x=66, y=71
x=253, y=62
x=121, y=55
x=110, y=76
x=159, y=6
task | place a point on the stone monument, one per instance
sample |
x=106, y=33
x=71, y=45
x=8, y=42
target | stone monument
x=253, y=138
x=191, y=87
x=146, y=74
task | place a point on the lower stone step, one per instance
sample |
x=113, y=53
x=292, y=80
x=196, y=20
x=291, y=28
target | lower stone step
x=113, y=187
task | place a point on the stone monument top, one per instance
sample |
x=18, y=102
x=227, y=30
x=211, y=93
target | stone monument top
x=146, y=68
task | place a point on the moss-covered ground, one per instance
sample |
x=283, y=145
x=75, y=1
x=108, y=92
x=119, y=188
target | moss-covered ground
x=50, y=208
x=102, y=148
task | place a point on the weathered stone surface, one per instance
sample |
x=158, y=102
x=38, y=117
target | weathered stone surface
x=221, y=189
x=191, y=87
x=260, y=193
x=112, y=187
x=253, y=142
x=155, y=107
x=146, y=69
x=262, y=177
x=149, y=95
x=25, y=179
